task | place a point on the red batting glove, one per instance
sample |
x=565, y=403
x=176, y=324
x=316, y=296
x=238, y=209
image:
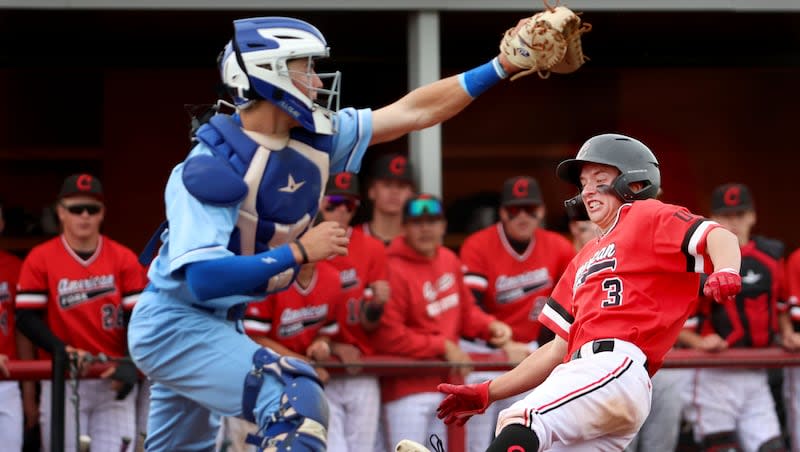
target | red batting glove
x=462, y=402
x=723, y=285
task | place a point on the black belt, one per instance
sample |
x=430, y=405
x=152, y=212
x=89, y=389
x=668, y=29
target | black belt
x=599, y=346
x=234, y=313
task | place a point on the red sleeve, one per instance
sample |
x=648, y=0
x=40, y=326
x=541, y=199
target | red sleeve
x=393, y=336
x=566, y=254
x=474, y=321
x=474, y=260
x=793, y=285
x=781, y=285
x=258, y=317
x=793, y=280
x=378, y=266
x=32, y=287
x=679, y=239
x=133, y=279
x=557, y=312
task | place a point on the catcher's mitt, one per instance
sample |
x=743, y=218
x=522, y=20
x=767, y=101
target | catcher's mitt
x=549, y=41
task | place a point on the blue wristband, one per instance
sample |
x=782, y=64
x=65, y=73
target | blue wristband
x=476, y=81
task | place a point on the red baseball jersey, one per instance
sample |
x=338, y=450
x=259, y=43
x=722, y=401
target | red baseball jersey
x=9, y=272
x=752, y=320
x=515, y=286
x=364, y=264
x=429, y=304
x=297, y=315
x=638, y=282
x=83, y=300
x=792, y=303
x=364, y=229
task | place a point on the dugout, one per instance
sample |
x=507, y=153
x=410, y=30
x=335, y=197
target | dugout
x=99, y=86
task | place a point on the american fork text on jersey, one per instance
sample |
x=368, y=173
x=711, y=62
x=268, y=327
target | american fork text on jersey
x=602, y=260
x=431, y=291
x=72, y=292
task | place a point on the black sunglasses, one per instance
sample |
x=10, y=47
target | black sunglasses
x=78, y=209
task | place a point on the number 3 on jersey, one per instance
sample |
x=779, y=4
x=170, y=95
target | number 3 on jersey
x=613, y=288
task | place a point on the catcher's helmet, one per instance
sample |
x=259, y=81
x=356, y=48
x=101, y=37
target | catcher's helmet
x=253, y=66
x=631, y=157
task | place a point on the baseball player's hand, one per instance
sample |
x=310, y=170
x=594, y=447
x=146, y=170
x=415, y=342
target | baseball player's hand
x=712, y=343
x=499, y=333
x=791, y=341
x=323, y=241
x=323, y=375
x=516, y=351
x=319, y=350
x=348, y=354
x=462, y=402
x=723, y=285
x=79, y=357
x=454, y=354
x=123, y=378
x=380, y=292
x=3, y=367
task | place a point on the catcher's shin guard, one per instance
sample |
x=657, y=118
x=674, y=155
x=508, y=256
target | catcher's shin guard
x=301, y=422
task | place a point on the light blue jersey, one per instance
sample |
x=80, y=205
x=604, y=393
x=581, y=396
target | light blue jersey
x=292, y=185
x=196, y=356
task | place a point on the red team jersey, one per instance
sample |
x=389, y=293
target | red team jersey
x=9, y=272
x=363, y=228
x=83, y=300
x=792, y=302
x=752, y=320
x=297, y=315
x=638, y=282
x=429, y=304
x=364, y=264
x=515, y=287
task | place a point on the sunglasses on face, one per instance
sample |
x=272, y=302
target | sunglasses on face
x=514, y=211
x=425, y=206
x=78, y=209
x=332, y=202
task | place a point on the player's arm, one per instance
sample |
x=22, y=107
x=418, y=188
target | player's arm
x=282, y=350
x=30, y=403
x=32, y=325
x=234, y=275
x=436, y=102
x=723, y=249
x=531, y=372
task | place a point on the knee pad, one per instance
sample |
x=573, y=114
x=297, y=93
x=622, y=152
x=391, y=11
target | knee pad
x=721, y=442
x=773, y=445
x=515, y=438
x=301, y=422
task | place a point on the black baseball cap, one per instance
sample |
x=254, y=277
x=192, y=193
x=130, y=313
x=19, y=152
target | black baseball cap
x=423, y=205
x=393, y=167
x=731, y=198
x=344, y=183
x=520, y=191
x=82, y=184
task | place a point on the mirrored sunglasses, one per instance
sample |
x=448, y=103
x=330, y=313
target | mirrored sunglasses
x=78, y=209
x=425, y=206
x=332, y=202
x=514, y=211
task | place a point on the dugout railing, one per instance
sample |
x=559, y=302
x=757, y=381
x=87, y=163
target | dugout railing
x=772, y=357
